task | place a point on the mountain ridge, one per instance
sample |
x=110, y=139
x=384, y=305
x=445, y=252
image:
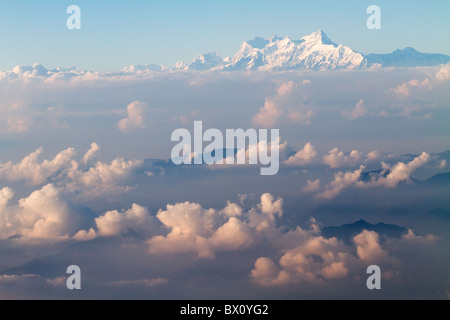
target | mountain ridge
x=315, y=51
x=311, y=52
x=346, y=232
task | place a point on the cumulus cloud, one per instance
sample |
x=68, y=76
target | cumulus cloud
x=368, y=247
x=312, y=186
x=84, y=235
x=136, y=219
x=34, y=171
x=195, y=229
x=43, y=215
x=391, y=176
x=207, y=231
x=373, y=155
x=358, y=112
x=286, y=88
x=13, y=278
x=232, y=209
x=267, y=115
x=444, y=73
x=405, y=88
x=91, y=153
x=334, y=158
x=57, y=282
x=315, y=259
x=305, y=156
x=264, y=216
x=337, y=159
x=284, y=104
x=72, y=174
x=136, y=117
x=341, y=181
x=411, y=236
x=304, y=255
x=102, y=178
x=266, y=273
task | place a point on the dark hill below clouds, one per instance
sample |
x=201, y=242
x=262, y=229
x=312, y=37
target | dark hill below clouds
x=441, y=178
x=346, y=232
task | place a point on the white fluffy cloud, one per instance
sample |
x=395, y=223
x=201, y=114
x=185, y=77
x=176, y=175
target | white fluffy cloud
x=284, y=104
x=358, y=112
x=368, y=247
x=136, y=117
x=72, y=174
x=305, y=156
x=315, y=259
x=207, y=231
x=341, y=181
x=34, y=171
x=57, y=282
x=13, y=278
x=267, y=115
x=373, y=155
x=337, y=159
x=411, y=236
x=286, y=88
x=91, y=153
x=312, y=186
x=102, y=178
x=405, y=88
x=444, y=73
x=136, y=219
x=43, y=215
x=389, y=177
x=311, y=259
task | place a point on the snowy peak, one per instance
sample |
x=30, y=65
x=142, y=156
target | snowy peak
x=312, y=52
x=315, y=51
x=208, y=61
x=318, y=37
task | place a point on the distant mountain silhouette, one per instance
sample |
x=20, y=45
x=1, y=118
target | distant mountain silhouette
x=441, y=178
x=346, y=232
x=367, y=176
x=376, y=174
x=408, y=57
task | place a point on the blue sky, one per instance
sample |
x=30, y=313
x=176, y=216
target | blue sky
x=117, y=33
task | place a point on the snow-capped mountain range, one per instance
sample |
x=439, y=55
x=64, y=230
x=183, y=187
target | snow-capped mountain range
x=315, y=51
x=312, y=52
